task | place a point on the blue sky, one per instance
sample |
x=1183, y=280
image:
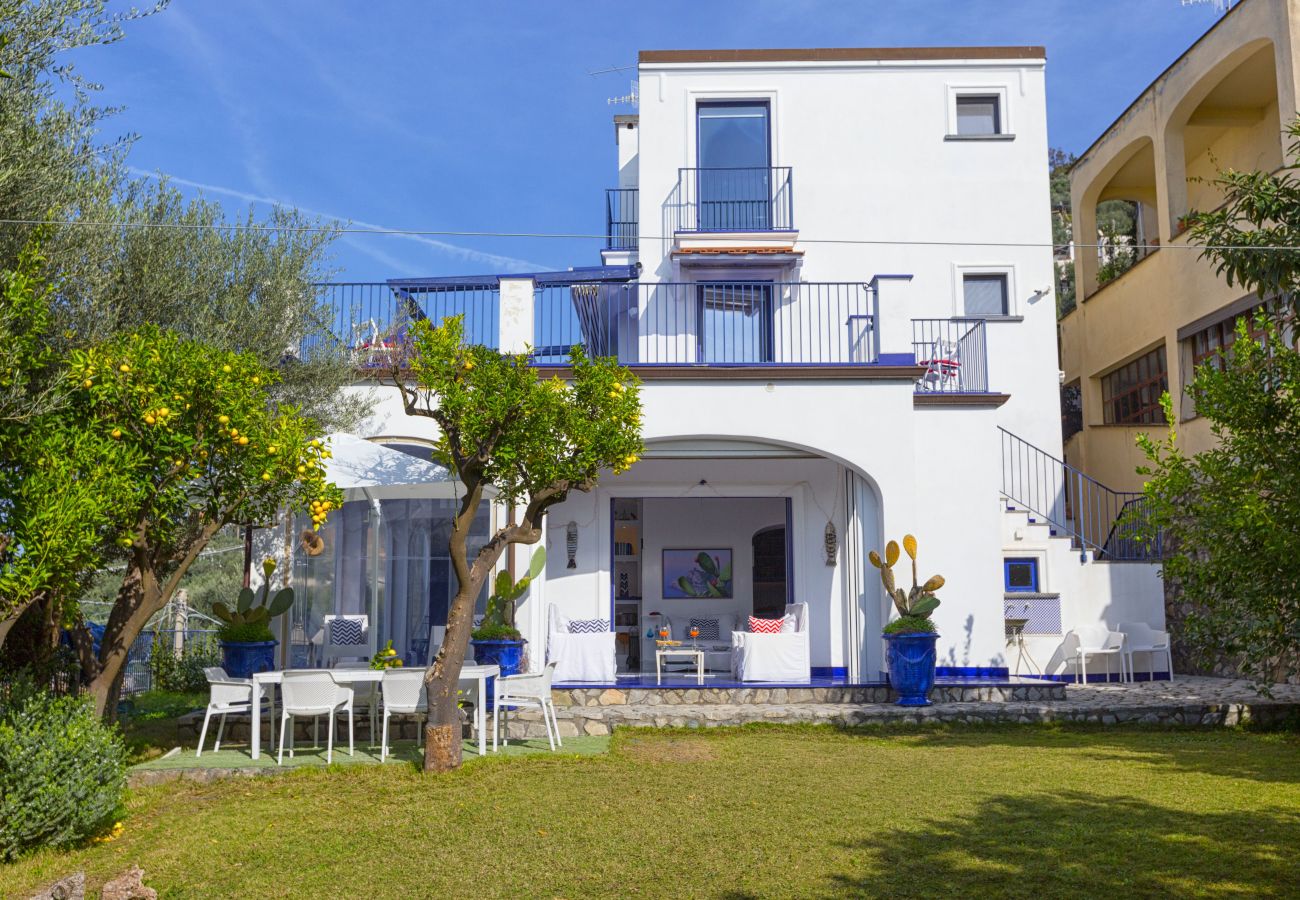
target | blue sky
x=481, y=116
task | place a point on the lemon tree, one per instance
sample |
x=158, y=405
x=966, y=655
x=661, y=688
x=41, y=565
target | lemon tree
x=202, y=445
x=532, y=440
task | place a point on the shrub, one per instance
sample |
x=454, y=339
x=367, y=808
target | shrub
x=182, y=674
x=910, y=625
x=62, y=771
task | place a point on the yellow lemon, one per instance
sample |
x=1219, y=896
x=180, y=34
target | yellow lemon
x=630, y=459
x=87, y=383
x=234, y=432
x=225, y=368
x=256, y=380
x=266, y=476
x=272, y=450
x=243, y=442
x=315, y=443
x=164, y=411
x=302, y=469
x=149, y=420
x=223, y=419
x=124, y=368
x=117, y=434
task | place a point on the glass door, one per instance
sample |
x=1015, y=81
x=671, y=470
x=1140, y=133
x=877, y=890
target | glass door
x=735, y=323
x=734, y=187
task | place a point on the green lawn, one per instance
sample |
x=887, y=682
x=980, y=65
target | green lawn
x=758, y=812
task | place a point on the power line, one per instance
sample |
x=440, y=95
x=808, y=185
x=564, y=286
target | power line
x=578, y=235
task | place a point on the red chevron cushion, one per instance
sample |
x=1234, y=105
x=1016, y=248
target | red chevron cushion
x=764, y=626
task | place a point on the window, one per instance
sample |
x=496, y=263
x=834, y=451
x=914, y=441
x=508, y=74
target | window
x=1071, y=410
x=735, y=323
x=1131, y=394
x=985, y=294
x=733, y=149
x=1210, y=344
x=979, y=115
x=1021, y=575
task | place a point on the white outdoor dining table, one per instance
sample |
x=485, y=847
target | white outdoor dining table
x=373, y=676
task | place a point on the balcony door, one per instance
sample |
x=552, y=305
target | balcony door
x=734, y=178
x=735, y=323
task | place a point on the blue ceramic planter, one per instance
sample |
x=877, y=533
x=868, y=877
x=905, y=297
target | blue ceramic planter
x=911, y=660
x=241, y=659
x=506, y=654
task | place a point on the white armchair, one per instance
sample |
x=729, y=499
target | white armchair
x=579, y=657
x=228, y=695
x=1140, y=637
x=338, y=646
x=1095, y=640
x=781, y=657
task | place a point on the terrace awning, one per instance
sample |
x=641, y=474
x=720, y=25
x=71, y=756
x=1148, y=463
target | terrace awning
x=368, y=470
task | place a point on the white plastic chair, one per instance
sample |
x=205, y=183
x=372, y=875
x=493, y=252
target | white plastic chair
x=403, y=696
x=1140, y=637
x=228, y=695
x=313, y=694
x=526, y=690
x=1097, y=640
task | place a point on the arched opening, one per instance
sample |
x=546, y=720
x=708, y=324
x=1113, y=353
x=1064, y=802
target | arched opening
x=1123, y=215
x=771, y=562
x=1235, y=124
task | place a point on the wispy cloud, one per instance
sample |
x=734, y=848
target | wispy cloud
x=201, y=53
x=469, y=254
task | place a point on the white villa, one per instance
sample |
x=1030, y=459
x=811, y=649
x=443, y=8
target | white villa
x=832, y=270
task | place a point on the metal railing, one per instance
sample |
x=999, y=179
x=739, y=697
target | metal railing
x=708, y=323
x=734, y=199
x=372, y=319
x=620, y=218
x=954, y=354
x=1113, y=524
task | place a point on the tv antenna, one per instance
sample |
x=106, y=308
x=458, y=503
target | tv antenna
x=633, y=96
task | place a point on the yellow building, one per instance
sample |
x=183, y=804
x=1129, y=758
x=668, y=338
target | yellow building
x=1222, y=104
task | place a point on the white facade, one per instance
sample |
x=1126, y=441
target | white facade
x=884, y=197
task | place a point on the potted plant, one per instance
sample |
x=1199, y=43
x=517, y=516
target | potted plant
x=247, y=644
x=909, y=639
x=497, y=641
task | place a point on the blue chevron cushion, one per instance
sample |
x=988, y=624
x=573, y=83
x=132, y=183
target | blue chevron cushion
x=588, y=626
x=346, y=632
x=708, y=629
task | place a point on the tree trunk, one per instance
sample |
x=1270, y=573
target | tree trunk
x=15, y=614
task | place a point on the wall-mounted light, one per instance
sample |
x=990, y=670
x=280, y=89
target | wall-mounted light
x=832, y=543
x=571, y=544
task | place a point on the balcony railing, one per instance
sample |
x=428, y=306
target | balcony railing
x=740, y=199
x=708, y=323
x=372, y=320
x=620, y=218
x=954, y=355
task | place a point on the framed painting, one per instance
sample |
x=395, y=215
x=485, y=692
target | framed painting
x=697, y=574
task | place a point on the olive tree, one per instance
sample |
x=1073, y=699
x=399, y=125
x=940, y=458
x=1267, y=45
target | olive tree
x=531, y=440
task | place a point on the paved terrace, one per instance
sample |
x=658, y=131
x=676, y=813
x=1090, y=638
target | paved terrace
x=1190, y=700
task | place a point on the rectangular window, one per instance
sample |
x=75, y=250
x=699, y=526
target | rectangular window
x=733, y=148
x=1209, y=345
x=1021, y=575
x=979, y=114
x=735, y=323
x=985, y=294
x=1131, y=394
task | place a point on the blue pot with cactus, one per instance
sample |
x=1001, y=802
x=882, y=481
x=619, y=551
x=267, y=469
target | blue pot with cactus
x=910, y=655
x=247, y=643
x=497, y=642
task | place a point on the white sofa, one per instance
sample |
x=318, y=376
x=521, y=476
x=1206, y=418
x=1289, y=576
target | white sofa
x=579, y=657
x=783, y=657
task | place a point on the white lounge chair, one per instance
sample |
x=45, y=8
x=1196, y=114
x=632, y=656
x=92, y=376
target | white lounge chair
x=525, y=690
x=313, y=694
x=1095, y=640
x=227, y=695
x=1140, y=637
x=333, y=650
x=403, y=696
x=580, y=657
x=781, y=657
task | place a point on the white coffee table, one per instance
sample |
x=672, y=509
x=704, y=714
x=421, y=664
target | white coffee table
x=696, y=653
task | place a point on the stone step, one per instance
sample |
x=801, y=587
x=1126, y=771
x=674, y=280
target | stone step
x=678, y=696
